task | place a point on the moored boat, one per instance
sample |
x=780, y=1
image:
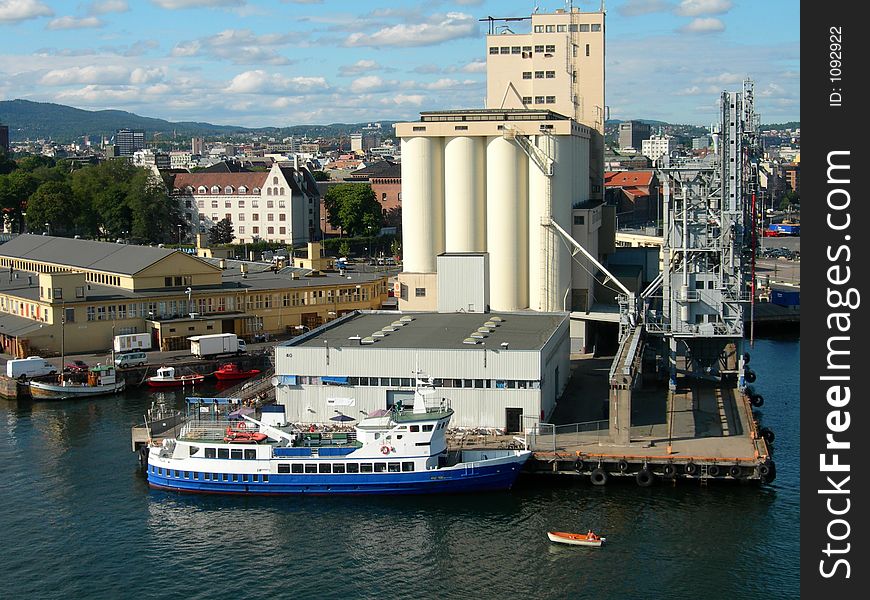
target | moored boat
x=397, y=451
x=232, y=371
x=101, y=380
x=576, y=539
x=166, y=377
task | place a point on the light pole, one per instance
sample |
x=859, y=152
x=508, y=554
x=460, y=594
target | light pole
x=48, y=229
x=179, y=235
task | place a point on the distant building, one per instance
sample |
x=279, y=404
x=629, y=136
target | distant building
x=635, y=194
x=197, y=146
x=701, y=143
x=150, y=158
x=792, y=172
x=659, y=145
x=180, y=159
x=4, y=138
x=129, y=141
x=632, y=134
x=278, y=205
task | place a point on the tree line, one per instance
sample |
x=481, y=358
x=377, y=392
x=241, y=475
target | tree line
x=109, y=200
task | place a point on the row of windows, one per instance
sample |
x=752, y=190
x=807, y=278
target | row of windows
x=240, y=203
x=525, y=51
x=499, y=384
x=540, y=100
x=215, y=189
x=378, y=467
x=195, y=476
x=540, y=74
x=581, y=27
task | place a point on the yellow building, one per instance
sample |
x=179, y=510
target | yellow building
x=80, y=293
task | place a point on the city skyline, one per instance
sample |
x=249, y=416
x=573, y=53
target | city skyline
x=256, y=63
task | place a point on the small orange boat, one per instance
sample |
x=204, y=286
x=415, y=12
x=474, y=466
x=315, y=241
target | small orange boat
x=576, y=539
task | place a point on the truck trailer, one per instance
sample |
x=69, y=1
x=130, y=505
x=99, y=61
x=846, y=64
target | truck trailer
x=207, y=346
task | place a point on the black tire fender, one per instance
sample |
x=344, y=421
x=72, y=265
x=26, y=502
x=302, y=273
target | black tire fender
x=767, y=435
x=735, y=471
x=669, y=470
x=714, y=470
x=598, y=476
x=579, y=466
x=645, y=477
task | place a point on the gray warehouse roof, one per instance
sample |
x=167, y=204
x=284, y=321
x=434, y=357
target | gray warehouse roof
x=85, y=254
x=522, y=331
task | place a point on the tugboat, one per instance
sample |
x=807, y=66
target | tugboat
x=231, y=371
x=166, y=377
x=101, y=380
x=397, y=451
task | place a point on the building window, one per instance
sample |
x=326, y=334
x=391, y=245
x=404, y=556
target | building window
x=579, y=219
x=228, y=189
x=215, y=189
x=539, y=48
x=214, y=203
x=551, y=74
x=515, y=49
x=551, y=99
x=539, y=74
x=539, y=29
x=527, y=74
x=255, y=217
x=270, y=203
x=270, y=230
x=527, y=99
x=282, y=230
x=505, y=50
x=420, y=292
x=561, y=28
x=493, y=50
x=80, y=292
x=572, y=27
x=584, y=27
x=255, y=230
x=596, y=27
x=241, y=230
x=539, y=99
x=243, y=189
x=270, y=217
x=280, y=203
x=550, y=48
x=282, y=216
x=587, y=49
x=90, y=313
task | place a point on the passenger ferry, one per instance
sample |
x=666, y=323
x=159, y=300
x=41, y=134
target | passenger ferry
x=397, y=451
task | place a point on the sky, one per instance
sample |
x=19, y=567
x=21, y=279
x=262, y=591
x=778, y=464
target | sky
x=260, y=63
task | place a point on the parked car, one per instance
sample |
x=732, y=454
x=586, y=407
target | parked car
x=76, y=366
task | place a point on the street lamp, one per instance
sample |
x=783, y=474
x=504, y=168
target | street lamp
x=48, y=229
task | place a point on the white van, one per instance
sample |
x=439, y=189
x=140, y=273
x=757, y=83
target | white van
x=32, y=366
x=131, y=359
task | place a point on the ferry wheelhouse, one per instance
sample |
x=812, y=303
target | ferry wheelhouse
x=402, y=450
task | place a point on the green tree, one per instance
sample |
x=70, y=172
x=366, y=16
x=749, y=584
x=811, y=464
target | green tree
x=320, y=176
x=344, y=248
x=221, y=232
x=15, y=189
x=155, y=215
x=353, y=207
x=53, y=203
x=105, y=188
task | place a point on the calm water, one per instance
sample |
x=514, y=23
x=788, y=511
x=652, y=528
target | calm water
x=79, y=521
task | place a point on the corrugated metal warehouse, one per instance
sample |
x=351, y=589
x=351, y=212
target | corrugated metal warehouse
x=497, y=370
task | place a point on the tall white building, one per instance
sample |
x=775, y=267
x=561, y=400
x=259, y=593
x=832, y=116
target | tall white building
x=502, y=180
x=658, y=145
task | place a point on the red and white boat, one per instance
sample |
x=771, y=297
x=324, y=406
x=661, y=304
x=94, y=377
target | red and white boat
x=231, y=371
x=166, y=377
x=576, y=539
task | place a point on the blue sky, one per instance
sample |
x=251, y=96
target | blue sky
x=289, y=62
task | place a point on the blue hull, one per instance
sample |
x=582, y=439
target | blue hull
x=481, y=479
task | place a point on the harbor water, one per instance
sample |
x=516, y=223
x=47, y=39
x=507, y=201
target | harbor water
x=78, y=520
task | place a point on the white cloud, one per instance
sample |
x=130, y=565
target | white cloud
x=697, y=8
x=140, y=75
x=400, y=99
x=438, y=29
x=725, y=78
x=240, y=46
x=75, y=23
x=447, y=84
x=634, y=8
x=477, y=66
x=12, y=11
x=360, y=66
x=259, y=81
x=369, y=83
x=176, y=4
x=704, y=25
x=93, y=75
x=101, y=7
